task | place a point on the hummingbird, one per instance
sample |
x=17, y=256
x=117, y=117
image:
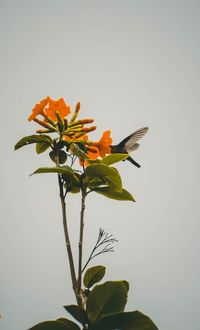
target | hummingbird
x=130, y=143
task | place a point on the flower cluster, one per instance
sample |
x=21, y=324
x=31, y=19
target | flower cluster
x=54, y=119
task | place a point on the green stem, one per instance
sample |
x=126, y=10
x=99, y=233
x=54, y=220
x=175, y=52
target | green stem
x=80, y=246
x=67, y=240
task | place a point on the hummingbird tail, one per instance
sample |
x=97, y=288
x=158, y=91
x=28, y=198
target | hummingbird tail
x=133, y=161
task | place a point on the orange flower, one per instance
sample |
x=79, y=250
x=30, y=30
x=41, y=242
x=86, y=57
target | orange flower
x=53, y=106
x=38, y=109
x=100, y=148
x=103, y=144
x=60, y=106
x=93, y=149
x=93, y=152
x=96, y=149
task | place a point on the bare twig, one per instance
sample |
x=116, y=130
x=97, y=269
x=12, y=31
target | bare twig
x=103, y=238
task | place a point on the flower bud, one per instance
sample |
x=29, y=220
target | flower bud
x=81, y=121
x=86, y=121
x=89, y=129
x=65, y=123
x=80, y=134
x=44, y=124
x=49, y=120
x=60, y=121
x=74, y=127
x=45, y=131
x=78, y=105
x=76, y=111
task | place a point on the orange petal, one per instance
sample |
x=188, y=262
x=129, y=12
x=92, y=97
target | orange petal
x=103, y=144
x=106, y=139
x=38, y=109
x=58, y=105
x=93, y=152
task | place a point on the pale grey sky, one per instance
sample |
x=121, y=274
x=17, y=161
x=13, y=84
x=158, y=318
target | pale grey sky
x=130, y=64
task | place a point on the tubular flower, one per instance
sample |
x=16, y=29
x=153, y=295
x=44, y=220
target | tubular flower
x=38, y=109
x=97, y=149
x=103, y=145
x=93, y=152
x=48, y=107
x=94, y=149
x=58, y=105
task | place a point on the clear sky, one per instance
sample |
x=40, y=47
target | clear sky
x=130, y=64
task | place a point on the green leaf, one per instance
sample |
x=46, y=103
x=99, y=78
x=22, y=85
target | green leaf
x=60, y=144
x=126, y=284
x=114, y=158
x=96, y=161
x=41, y=147
x=71, y=178
x=33, y=139
x=62, y=156
x=60, y=324
x=58, y=169
x=123, y=195
x=78, y=313
x=126, y=321
x=110, y=297
x=72, y=182
x=59, y=155
x=72, y=188
x=93, y=275
x=69, y=325
x=96, y=182
x=107, y=174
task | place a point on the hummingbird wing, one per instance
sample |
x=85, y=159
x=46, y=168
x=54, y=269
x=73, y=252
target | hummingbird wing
x=130, y=142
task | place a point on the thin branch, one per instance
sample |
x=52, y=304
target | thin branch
x=103, y=238
x=80, y=245
x=73, y=159
x=101, y=252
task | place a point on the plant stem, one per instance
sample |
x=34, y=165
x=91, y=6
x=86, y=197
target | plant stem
x=80, y=245
x=67, y=240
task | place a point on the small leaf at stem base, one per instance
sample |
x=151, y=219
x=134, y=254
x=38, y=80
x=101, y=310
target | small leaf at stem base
x=93, y=275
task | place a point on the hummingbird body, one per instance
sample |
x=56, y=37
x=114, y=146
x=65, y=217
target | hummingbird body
x=129, y=144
